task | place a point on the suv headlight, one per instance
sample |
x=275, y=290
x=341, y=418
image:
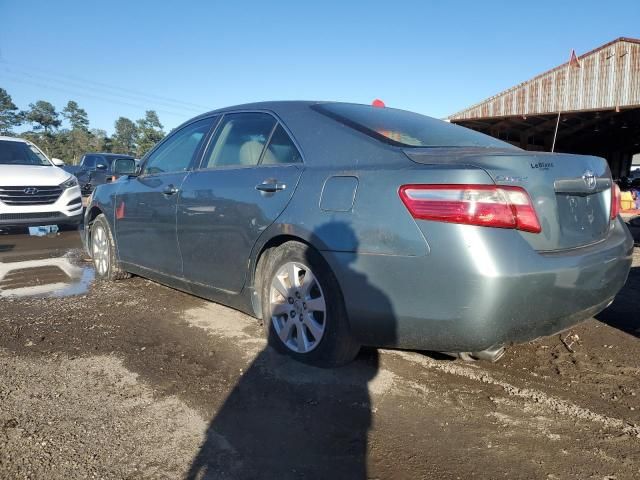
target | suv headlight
x=71, y=182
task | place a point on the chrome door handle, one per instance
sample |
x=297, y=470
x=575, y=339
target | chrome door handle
x=170, y=190
x=270, y=187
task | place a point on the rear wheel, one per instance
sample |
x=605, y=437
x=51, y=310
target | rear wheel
x=303, y=309
x=103, y=251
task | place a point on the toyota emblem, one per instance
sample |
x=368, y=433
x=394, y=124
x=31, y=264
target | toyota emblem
x=589, y=179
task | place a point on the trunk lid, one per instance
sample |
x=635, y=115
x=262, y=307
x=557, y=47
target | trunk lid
x=570, y=193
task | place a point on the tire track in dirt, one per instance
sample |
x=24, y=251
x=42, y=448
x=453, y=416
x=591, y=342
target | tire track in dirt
x=559, y=406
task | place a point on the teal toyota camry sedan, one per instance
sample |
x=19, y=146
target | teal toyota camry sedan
x=342, y=225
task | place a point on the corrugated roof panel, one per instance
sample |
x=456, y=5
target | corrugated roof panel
x=608, y=77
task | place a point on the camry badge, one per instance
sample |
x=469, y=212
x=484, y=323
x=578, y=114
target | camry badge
x=589, y=179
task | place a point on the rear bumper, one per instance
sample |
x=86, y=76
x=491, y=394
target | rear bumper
x=478, y=288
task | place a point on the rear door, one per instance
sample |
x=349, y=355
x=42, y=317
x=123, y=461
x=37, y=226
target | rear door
x=247, y=176
x=146, y=205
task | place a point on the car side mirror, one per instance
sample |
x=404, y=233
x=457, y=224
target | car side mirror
x=124, y=166
x=57, y=162
x=101, y=166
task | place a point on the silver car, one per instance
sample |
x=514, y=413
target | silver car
x=342, y=225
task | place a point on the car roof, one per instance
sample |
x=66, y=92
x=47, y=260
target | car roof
x=109, y=154
x=269, y=105
x=274, y=106
x=277, y=106
x=13, y=139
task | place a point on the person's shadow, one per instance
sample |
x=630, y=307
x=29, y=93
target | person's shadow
x=623, y=312
x=284, y=419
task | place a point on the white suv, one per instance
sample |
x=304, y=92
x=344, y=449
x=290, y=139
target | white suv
x=33, y=190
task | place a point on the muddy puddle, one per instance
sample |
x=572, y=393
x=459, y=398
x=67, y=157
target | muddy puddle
x=48, y=266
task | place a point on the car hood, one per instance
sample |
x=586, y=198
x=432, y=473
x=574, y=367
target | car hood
x=31, y=175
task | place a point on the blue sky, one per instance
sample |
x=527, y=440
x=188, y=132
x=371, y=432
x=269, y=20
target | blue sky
x=182, y=58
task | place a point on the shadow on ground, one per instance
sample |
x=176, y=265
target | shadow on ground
x=285, y=419
x=634, y=227
x=624, y=312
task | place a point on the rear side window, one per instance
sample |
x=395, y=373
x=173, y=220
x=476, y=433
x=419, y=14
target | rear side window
x=239, y=140
x=281, y=149
x=406, y=129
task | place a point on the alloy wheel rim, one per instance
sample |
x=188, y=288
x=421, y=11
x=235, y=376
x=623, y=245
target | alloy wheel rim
x=100, y=250
x=298, y=307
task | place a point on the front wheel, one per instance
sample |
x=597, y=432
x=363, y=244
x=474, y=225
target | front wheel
x=103, y=251
x=303, y=309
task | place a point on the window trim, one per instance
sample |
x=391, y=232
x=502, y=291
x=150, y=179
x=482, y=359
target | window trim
x=266, y=144
x=197, y=155
x=199, y=167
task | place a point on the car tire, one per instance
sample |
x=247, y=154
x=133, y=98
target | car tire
x=103, y=251
x=308, y=321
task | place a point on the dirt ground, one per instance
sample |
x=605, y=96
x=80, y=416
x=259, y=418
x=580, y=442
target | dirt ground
x=135, y=380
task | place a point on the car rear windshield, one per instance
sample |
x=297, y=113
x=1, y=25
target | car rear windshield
x=406, y=129
x=20, y=153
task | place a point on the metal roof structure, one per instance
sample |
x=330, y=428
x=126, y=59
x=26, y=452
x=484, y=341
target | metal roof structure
x=590, y=105
x=606, y=78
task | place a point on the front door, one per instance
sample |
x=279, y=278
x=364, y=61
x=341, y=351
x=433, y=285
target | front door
x=146, y=205
x=247, y=177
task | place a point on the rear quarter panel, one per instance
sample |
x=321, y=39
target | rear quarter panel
x=378, y=223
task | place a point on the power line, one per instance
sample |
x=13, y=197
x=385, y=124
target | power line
x=43, y=72
x=102, y=91
x=96, y=97
x=103, y=85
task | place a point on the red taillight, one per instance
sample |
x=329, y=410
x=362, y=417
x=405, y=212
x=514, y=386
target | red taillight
x=616, y=201
x=484, y=205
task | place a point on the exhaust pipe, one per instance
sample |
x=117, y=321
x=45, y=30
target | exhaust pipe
x=491, y=354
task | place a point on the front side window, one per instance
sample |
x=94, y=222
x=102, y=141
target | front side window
x=406, y=129
x=20, y=153
x=90, y=161
x=176, y=152
x=281, y=149
x=239, y=140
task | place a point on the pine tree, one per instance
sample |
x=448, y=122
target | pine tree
x=149, y=132
x=124, y=137
x=9, y=115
